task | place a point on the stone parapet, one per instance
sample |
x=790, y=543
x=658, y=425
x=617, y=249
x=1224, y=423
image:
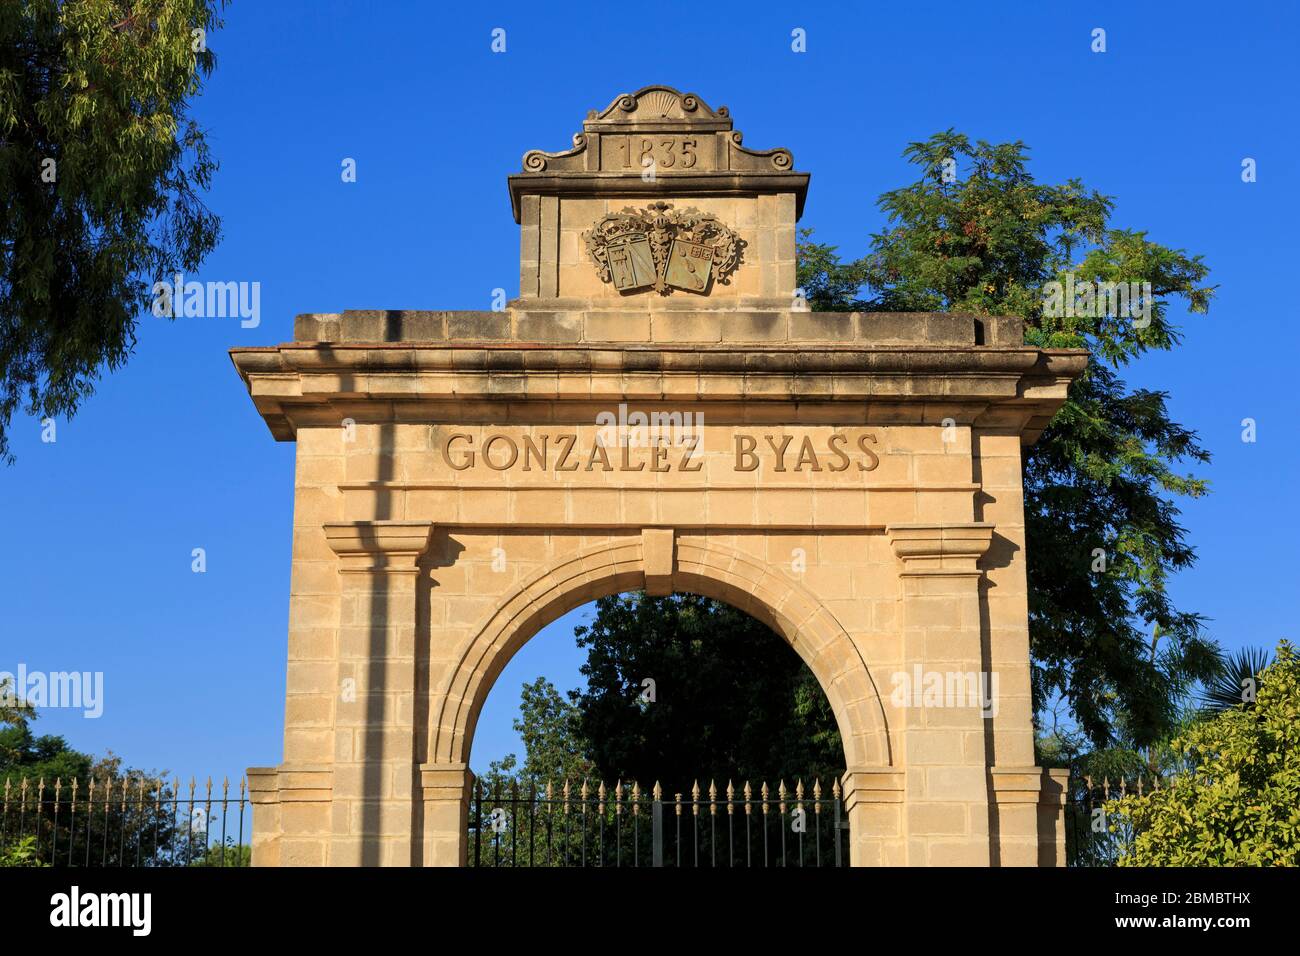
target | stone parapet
x=666, y=321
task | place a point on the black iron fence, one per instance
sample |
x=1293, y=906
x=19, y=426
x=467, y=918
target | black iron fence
x=578, y=825
x=1095, y=835
x=152, y=823
x=123, y=822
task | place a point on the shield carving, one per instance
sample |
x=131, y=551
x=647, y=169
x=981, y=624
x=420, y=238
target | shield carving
x=630, y=264
x=689, y=265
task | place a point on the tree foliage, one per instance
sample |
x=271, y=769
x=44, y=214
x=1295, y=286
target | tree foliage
x=1237, y=803
x=114, y=831
x=21, y=852
x=101, y=170
x=1236, y=681
x=977, y=234
x=554, y=749
x=730, y=700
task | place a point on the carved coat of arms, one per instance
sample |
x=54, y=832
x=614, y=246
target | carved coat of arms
x=663, y=247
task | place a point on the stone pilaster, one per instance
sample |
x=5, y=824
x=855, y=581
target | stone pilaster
x=873, y=802
x=446, y=790
x=942, y=736
x=1030, y=818
x=264, y=796
x=375, y=779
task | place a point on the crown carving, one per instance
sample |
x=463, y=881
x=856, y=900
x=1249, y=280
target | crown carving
x=659, y=109
x=658, y=142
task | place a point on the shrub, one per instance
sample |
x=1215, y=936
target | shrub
x=1238, y=801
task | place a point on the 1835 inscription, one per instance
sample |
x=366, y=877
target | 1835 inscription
x=648, y=151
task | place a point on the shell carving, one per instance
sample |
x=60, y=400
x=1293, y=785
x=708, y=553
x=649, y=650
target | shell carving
x=659, y=102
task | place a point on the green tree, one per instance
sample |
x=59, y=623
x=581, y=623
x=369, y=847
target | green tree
x=1237, y=803
x=229, y=853
x=37, y=776
x=554, y=749
x=730, y=700
x=1235, y=682
x=101, y=170
x=514, y=796
x=21, y=852
x=975, y=233
x=25, y=755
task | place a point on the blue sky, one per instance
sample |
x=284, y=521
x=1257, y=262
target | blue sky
x=169, y=455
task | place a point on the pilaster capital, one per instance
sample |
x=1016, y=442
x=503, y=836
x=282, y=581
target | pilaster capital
x=940, y=549
x=393, y=547
x=446, y=781
x=872, y=785
x=1041, y=785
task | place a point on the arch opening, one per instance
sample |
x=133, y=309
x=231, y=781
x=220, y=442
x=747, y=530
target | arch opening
x=705, y=569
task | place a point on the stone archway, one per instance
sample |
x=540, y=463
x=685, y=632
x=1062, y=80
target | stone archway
x=699, y=567
x=657, y=409
x=710, y=570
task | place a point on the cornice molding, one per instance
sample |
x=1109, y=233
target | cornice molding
x=1016, y=389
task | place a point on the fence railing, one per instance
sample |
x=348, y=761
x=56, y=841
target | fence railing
x=1094, y=836
x=580, y=825
x=123, y=822
x=152, y=823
